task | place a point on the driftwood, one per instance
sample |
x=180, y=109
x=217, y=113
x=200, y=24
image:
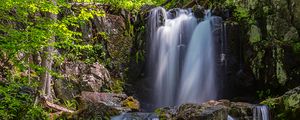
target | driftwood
x=57, y=107
x=53, y=106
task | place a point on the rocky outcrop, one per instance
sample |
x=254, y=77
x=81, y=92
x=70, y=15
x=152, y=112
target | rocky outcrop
x=79, y=77
x=262, y=45
x=287, y=106
x=95, y=105
x=117, y=32
x=212, y=110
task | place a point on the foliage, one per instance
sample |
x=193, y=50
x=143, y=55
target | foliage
x=71, y=104
x=263, y=94
x=241, y=12
x=25, y=31
x=17, y=102
x=132, y=5
x=117, y=86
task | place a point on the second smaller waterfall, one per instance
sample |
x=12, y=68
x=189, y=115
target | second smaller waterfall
x=261, y=113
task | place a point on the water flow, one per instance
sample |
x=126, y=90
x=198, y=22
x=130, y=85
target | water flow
x=230, y=118
x=169, y=33
x=261, y=113
x=198, y=74
x=181, y=59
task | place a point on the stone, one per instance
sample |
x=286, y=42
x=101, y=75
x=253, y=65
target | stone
x=241, y=110
x=199, y=11
x=286, y=106
x=210, y=110
x=118, y=38
x=166, y=113
x=136, y=116
x=95, y=105
x=131, y=103
x=296, y=13
x=81, y=77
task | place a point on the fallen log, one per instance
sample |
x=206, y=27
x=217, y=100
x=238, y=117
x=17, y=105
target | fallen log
x=53, y=106
x=57, y=107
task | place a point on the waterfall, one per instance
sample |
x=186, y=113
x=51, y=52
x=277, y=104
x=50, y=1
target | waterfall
x=261, y=113
x=198, y=74
x=169, y=32
x=181, y=57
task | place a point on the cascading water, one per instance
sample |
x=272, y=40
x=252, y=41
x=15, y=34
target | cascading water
x=261, y=113
x=230, y=118
x=181, y=59
x=169, y=32
x=198, y=74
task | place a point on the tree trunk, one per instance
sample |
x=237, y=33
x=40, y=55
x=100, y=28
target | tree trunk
x=47, y=62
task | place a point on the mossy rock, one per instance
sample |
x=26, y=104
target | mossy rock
x=131, y=103
x=286, y=107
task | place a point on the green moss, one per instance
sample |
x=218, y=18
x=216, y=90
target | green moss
x=256, y=63
x=117, y=86
x=271, y=102
x=254, y=34
x=131, y=103
x=292, y=101
x=280, y=72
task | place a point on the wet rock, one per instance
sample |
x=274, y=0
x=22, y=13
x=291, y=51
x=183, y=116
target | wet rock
x=199, y=11
x=136, y=116
x=243, y=111
x=211, y=110
x=189, y=111
x=166, y=113
x=198, y=112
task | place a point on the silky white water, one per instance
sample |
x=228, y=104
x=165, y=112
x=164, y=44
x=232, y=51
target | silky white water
x=230, y=118
x=261, y=113
x=181, y=57
x=198, y=74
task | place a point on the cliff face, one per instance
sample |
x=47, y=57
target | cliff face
x=262, y=45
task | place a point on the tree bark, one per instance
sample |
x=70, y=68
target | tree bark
x=47, y=62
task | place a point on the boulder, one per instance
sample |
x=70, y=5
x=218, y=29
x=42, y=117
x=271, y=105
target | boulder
x=199, y=11
x=286, y=106
x=131, y=103
x=243, y=111
x=78, y=77
x=201, y=112
x=211, y=110
x=95, y=105
x=136, y=116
